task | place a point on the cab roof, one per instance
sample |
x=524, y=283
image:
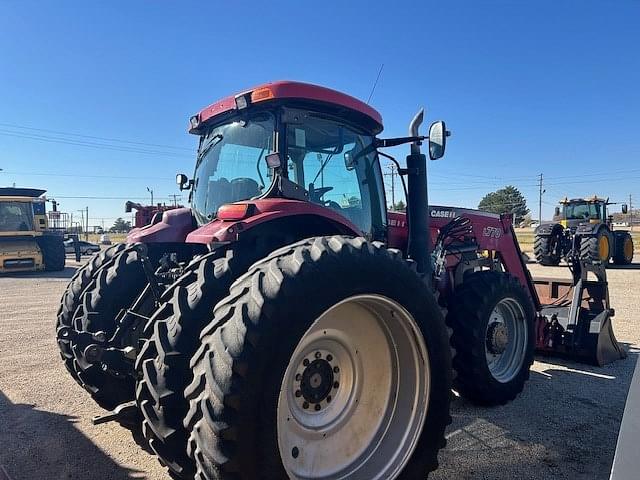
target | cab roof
x=21, y=192
x=593, y=199
x=287, y=90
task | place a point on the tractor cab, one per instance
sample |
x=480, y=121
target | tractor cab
x=22, y=212
x=582, y=210
x=290, y=140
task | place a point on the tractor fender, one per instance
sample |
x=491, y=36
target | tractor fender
x=591, y=229
x=548, y=229
x=172, y=227
x=279, y=216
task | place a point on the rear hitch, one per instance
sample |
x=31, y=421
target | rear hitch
x=123, y=413
x=68, y=333
x=156, y=289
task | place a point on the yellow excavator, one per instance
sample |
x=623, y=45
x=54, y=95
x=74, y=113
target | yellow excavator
x=26, y=243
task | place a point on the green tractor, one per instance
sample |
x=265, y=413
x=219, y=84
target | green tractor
x=583, y=226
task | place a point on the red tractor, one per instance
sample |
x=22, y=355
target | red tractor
x=286, y=325
x=145, y=213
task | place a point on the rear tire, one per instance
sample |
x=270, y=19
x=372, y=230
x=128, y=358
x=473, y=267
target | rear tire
x=484, y=375
x=113, y=289
x=235, y=414
x=596, y=248
x=623, y=253
x=71, y=299
x=163, y=362
x=53, y=253
x=546, y=250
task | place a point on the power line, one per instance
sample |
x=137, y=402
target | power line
x=122, y=177
x=103, y=198
x=80, y=143
x=94, y=137
x=375, y=83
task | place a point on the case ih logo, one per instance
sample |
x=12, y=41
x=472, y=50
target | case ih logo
x=443, y=213
x=491, y=232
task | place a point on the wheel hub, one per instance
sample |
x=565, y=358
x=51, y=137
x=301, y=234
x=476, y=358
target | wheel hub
x=316, y=380
x=506, y=340
x=497, y=338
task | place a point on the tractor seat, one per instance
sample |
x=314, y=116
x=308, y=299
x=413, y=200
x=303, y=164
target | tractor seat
x=244, y=189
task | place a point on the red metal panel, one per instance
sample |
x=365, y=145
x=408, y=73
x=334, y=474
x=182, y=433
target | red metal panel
x=491, y=232
x=174, y=227
x=266, y=210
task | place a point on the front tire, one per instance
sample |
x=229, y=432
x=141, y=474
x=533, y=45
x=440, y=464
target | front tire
x=596, y=248
x=300, y=307
x=546, y=250
x=53, y=253
x=623, y=254
x=493, y=326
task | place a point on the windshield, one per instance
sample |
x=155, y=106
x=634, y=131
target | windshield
x=16, y=217
x=582, y=211
x=338, y=167
x=231, y=165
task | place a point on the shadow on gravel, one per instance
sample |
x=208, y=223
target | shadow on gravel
x=564, y=425
x=66, y=273
x=632, y=266
x=42, y=445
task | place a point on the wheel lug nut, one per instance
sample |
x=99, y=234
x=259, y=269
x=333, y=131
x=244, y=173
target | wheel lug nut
x=295, y=452
x=305, y=362
x=317, y=407
x=318, y=355
x=329, y=357
x=329, y=399
x=336, y=384
x=298, y=377
x=305, y=405
x=336, y=369
x=298, y=393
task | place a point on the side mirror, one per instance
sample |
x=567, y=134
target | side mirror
x=556, y=212
x=625, y=208
x=349, y=161
x=273, y=160
x=437, y=140
x=182, y=180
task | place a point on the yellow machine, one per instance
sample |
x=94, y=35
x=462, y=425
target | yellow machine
x=26, y=244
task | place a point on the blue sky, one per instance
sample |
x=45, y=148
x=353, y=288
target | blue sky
x=548, y=87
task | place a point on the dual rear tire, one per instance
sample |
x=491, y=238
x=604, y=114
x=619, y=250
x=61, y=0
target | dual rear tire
x=283, y=376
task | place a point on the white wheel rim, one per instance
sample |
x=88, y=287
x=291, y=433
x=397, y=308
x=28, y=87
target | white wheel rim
x=355, y=395
x=506, y=340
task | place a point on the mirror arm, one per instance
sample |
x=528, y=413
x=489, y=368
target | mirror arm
x=393, y=142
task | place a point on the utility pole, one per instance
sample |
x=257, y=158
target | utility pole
x=175, y=199
x=392, y=173
x=630, y=214
x=86, y=232
x=150, y=190
x=81, y=222
x=540, y=200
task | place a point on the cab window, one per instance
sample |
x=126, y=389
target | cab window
x=337, y=166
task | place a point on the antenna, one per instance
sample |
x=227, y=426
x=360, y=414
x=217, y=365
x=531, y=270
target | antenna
x=373, y=89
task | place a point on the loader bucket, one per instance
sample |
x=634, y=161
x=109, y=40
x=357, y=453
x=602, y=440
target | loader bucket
x=575, y=321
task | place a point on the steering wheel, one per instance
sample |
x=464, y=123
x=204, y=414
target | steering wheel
x=317, y=193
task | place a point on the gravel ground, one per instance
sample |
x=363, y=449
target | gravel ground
x=564, y=425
